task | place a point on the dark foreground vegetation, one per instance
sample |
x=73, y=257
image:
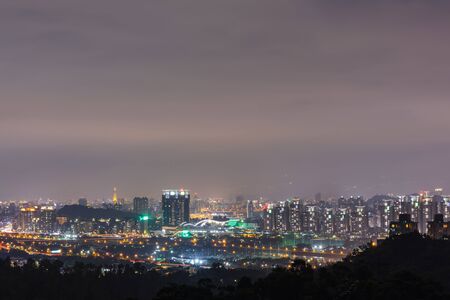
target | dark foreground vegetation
x=404, y=267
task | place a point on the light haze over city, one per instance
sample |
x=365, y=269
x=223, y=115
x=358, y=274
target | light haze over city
x=264, y=98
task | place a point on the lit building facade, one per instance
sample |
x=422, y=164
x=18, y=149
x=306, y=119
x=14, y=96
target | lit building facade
x=295, y=215
x=404, y=225
x=27, y=219
x=328, y=221
x=175, y=207
x=359, y=221
x=438, y=228
x=47, y=219
x=342, y=221
x=427, y=210
x=311, y=219
x=387, y=212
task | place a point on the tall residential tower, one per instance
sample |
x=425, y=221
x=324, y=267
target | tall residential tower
x=175, y=207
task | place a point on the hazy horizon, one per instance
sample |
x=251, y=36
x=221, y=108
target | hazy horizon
x=271, y=98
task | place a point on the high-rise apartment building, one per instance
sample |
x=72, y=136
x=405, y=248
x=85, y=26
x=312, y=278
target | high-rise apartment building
x=295, y=215
x=140, y=205
x=427, y=210
x=342, y=221
x=311, y=219
x=328, y=221
x=27, y=219
x=175, y=207
x=47, y=219
x=386, y=213
x=359, y=221
x=277, y=217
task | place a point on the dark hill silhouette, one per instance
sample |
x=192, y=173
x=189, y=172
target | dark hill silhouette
x=410, y=252
x=83, y=212
x=404, y=267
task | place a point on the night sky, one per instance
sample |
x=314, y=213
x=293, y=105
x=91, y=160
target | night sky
x=271, y=98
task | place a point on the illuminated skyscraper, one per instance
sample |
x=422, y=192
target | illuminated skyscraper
x=387, y=212
x=295, y=215
x=311, y=219
x=427, y=211
x=47, y=219
x=328, y=221
x=415, y=206
x=175, y=207
x=359, y=222
x=268, y=219
x=27, y=219
x=342, y=221
x=276, y=217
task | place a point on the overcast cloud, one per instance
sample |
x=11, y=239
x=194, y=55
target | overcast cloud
x=272, y=98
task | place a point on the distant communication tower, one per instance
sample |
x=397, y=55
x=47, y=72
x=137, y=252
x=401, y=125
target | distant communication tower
x=115, y=200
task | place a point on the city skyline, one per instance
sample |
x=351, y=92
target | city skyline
x=274, y=99
x=353, y=220
x=116, y=195
x=258, y=149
